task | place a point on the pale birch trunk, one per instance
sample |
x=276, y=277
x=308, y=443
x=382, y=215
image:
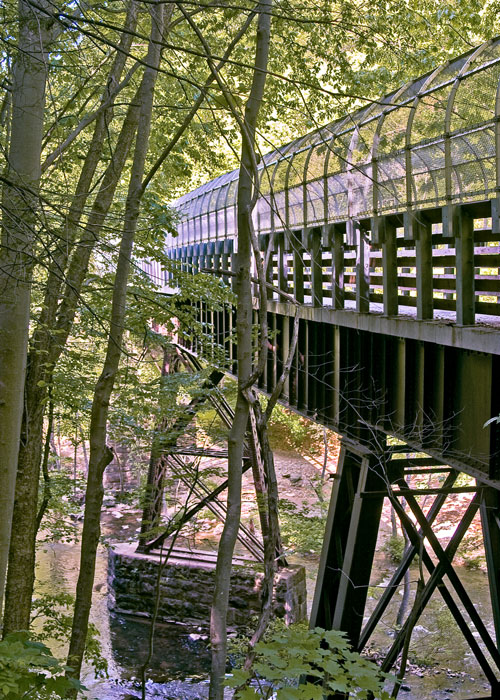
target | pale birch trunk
x=19, y=207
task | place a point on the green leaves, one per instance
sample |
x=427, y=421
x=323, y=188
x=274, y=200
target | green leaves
x=29, y=667
x=288, y=661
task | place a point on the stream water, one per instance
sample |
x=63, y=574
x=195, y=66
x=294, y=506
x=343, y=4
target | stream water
x=180, y=662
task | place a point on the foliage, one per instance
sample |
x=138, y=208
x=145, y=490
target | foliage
x=286, y=428
x=394, y=547
x=301, y=533
x=59, y=523
x=27, y=667
x=354, y=62
x=55, y=612
x=301, y=664
x=430, y=645
x=471, y=550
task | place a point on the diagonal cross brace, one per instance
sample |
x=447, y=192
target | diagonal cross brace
x=398, y=575
x=208, y=498
x=435, y=581
x=454, y=578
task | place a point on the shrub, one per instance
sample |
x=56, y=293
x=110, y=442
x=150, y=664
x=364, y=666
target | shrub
x=55, y=611
x=28, y=668
x=301, y=533
x=301, y=664
x=287, y=429
x=394, y=547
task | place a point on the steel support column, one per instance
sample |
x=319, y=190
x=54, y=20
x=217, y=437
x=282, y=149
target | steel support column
x=349, y=543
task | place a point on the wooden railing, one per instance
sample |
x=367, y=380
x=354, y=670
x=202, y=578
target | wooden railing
x=347, y=266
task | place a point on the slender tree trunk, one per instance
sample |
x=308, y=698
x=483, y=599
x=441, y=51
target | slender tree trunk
x=273, y=548
x=406, y=579
x=153, y=497
x=19, y=205
x=272, y=543
x=100, y=454
x=394, y=524
x=47, y=492
x=84, y=451
x=44, y=354
x=403, y=606
x=218, y=618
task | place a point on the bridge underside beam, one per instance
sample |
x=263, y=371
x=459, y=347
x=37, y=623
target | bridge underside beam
x=434, y=397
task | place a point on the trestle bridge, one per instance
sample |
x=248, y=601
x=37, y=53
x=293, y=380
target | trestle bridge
x=385, y=228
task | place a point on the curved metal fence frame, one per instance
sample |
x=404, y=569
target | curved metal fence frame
x=434, y=169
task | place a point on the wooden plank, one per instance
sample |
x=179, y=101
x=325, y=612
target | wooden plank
x=482, y=283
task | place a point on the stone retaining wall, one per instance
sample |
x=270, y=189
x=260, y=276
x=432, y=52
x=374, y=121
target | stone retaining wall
x=187, y=587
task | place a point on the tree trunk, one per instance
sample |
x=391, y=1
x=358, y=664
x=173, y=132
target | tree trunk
x=100, y=454
x=19, y=206
x=47, y=492
x=218, y=618
x=153, y=498
x=42, y=360
x=43, y=356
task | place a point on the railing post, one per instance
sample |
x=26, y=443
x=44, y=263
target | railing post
x=188, y=267
x=282, y=263
x=231, y=250
x=314, y=245
x=337, y=242
x=464, y=251
x=266, y=245
x=211, y=314
x=362, y=268
x=295, y=245
x=387, y=233
x=423, y=245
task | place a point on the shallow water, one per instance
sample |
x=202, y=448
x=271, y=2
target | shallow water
x=180, y=661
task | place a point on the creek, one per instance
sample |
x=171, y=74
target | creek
x=180, y=661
